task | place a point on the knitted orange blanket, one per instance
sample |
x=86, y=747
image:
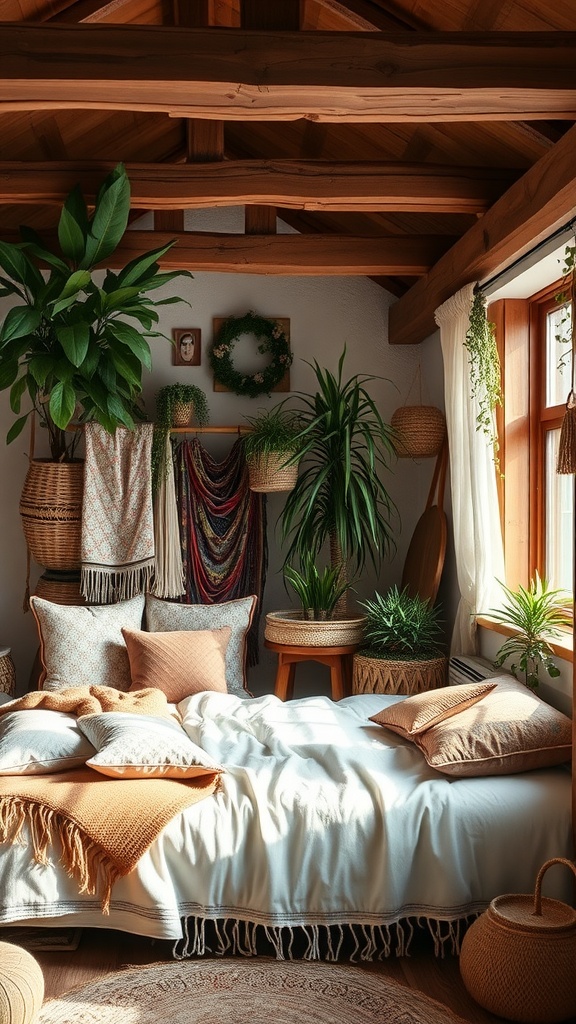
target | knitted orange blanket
x=91, y=700
x=101, y=825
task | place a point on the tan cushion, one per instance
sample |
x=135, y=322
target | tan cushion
x=179, y=663
x=418, y=713
x=141, y=746
x=509, y=730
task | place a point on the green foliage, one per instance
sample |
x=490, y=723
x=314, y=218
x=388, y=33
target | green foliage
x=566, y=336
x=274, y=342
x=273, y=431
x=318, y=592
x=166, y=399
x=538, y=616
x=402, y=628
x=339, y=495
x=485, y=376
x=76, y=348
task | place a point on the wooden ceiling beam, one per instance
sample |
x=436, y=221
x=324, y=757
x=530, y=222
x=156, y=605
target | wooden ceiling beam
x=325, y=76
x=290, y=255
x=292, y=184
x=540, y=202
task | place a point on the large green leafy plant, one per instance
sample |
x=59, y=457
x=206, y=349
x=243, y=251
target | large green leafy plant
x=74, y=347
x=402, y=627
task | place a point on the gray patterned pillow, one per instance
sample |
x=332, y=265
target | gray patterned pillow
x=82, y=645
x=168, y=616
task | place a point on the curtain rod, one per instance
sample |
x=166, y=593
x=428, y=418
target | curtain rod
x=567, y=230
x=191, y=429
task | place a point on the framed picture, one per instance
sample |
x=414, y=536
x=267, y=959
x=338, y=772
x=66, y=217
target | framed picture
x=186, y=348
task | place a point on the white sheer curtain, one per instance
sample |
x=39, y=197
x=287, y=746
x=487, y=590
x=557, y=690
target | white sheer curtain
x=477, y=532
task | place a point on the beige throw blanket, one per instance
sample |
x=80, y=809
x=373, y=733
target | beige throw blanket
x=92, y=700
x=117, y=549
x=101, y=825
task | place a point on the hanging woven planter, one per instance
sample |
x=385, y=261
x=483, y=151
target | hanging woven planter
x=268, y=472
x=182, y=413
x=420, y=431
x=51, y=512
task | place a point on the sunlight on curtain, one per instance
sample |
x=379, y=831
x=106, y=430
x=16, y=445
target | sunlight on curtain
x=476, y=518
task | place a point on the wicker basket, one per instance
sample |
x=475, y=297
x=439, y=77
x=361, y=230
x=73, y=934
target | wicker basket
x=182, y=413
x=420, y=430
x=60, y=588
x=289, y=627
x=51, y=511
x=268, y=473
x=379, y=675
x=518, y=959
x=7, y=672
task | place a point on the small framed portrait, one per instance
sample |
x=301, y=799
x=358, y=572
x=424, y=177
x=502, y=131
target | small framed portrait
x=186, y=348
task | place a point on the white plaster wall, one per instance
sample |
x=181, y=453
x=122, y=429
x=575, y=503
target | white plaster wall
x=325, y=314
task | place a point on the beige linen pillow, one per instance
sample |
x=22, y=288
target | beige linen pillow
x=510, y=730
x=162, y=616
x=39, y=742
x=416, y=714
x=141, y=746
x=179, y=663
x=82, y=645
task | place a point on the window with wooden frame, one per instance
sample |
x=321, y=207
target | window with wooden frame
x=533, y=337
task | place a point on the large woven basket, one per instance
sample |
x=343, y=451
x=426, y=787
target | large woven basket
x=268, y=473
x=51, y=511
x=289, y=627
x=420, y=431
x=518, y=959
x=7, y=672
x=60, y=587
x=378, y=675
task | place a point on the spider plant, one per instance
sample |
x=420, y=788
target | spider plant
x=401, y=627
x=273, y=431
x=538, y=616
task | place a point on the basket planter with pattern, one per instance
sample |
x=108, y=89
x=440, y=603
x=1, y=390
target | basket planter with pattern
x=290, y=627
x=382, y=675
x=51, y=512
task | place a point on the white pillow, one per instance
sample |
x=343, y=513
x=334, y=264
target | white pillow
x=41, y=742
x=82, y=645
x=168, y=616
x=142, y=746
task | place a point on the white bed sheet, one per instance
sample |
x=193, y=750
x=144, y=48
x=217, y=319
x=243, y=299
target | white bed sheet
x=323, y=818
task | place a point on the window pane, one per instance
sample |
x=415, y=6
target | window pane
x=558, y=355
x=559, y=524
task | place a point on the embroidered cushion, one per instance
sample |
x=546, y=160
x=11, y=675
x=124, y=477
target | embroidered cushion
x=168, y=616
x=141, y=746
x=41, y=743
x=82, y=645
x=179, y=663
x=417, y=713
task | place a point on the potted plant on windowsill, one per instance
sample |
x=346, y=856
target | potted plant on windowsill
x=537, y=615
x=402, y=649
x=271, y=448
x=76, y=349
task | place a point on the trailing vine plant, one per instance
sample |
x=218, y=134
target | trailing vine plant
x=484, y=362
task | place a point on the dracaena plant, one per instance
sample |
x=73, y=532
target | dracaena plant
x=70, y=346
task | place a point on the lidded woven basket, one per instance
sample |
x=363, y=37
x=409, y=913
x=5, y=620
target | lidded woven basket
x=518, y=959
x=420, y=431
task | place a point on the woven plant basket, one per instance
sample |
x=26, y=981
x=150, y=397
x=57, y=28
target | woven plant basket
x=7, y=672
x=420, y=430
x=518, y=959
x=51, y=511
x=288, y=627
x=267, y=473
x=379, y=675
x=182, y=413
x=60, y=588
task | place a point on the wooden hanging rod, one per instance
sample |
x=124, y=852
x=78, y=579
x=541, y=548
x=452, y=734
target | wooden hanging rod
x=229, y=429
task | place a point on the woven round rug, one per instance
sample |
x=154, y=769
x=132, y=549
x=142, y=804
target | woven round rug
x=251, y=992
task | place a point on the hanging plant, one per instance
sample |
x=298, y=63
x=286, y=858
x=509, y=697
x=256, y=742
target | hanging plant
x=566, y=462
x=484, y=362
x=273, y=343
x=167, y=399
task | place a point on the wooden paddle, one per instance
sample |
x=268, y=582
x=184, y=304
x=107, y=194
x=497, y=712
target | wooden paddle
x=427, y=549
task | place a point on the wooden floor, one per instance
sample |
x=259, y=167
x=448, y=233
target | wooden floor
x=101, y=952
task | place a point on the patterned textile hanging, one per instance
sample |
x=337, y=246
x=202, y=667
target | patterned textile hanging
x=222, y=530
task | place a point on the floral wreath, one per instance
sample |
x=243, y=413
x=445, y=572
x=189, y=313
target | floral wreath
x=275, y=343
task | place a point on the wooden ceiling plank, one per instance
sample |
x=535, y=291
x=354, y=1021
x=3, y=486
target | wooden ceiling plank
x=294, y=184
x=285, y=254
x=260, y=220
x=204, y=140
x=540, y=202
x=331, y=76
x=282, y=15
x=87, y=11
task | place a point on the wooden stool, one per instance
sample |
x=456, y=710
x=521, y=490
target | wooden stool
x=338, y=659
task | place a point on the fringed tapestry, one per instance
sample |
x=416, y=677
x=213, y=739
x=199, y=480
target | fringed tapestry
x=222, y=530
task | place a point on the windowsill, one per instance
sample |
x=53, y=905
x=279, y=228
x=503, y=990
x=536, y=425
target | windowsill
x=563, y=647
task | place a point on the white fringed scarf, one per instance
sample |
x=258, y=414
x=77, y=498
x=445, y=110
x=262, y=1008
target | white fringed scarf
x=169, y=577
x=117, y=521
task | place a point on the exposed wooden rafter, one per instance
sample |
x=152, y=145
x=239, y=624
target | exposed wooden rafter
x=357, y=76
x=535, y=206
x=293, y=184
